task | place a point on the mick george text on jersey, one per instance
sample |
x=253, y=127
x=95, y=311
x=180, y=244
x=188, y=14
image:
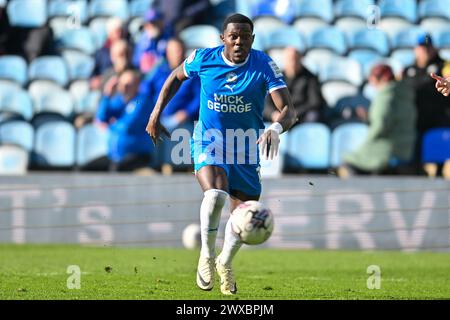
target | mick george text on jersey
x=229, y=104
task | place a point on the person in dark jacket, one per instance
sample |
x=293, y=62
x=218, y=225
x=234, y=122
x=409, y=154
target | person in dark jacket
x=304, y=87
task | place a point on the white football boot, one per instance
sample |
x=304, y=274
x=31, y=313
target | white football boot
x=205, y=273
x=227, y=282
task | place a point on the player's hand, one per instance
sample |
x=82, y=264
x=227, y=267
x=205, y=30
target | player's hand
x=154, y=129
x=269, y=142
x=442, y=84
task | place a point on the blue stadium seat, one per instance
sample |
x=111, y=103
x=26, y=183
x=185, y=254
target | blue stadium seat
x=79, y=39
x=92, y=143
x=353, y=8
x=109, y=8
x=309, y=146
x=330, y=38
x=51, y=68
x=436, y=145
x=200, y=36
x=404, y=56
x=80, y=64
x=322, y=9
x=406, y=38
x=16, y=101
x=19, y=133
x=333, y=91
x=98, y=30
x=55, y=144
x=345, y=110
x=58, y=101
x=79, y=89
x=27, y=13
x=434, y=9
x=443, y=40
x=405, y=9
x=284, y=10
x=90, y=102
x=285, y=37
x=13, y=160
x=370, y=39
x=342, y=69
x=13, y=68
x=76, y=9
x=346, y=138
x=138, y=8
x=366, y=58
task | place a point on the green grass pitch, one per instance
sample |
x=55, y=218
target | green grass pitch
x=40, y=272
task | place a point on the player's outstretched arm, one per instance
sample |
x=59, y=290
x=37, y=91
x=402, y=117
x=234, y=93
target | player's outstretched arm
x=270, y=140
x=442, y=84
x=169, y=89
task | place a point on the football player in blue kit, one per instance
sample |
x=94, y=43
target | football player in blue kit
x=235, y=80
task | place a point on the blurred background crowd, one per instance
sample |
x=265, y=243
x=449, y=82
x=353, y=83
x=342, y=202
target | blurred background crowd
x=79, y=79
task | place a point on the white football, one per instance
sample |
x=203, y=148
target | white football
x=252, y=222
x=191, y=236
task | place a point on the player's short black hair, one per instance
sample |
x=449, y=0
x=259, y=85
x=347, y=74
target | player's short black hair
x=237, y=18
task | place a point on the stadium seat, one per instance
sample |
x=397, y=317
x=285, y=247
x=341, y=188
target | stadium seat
x=13, y=160
x=18, y=102
x=322, y=9
x=200, y=36
x=90, y=102
x=346, y=138
x=13, y=68
x=434, y=9
x=92, y=143
x=328, y=38
x=75, y=9
x=391, y=26
x=309, y=146
x=19, y=133
x=285, y=37
x=58, y=101
x=366, y=58
x=404, y=56
x=98, y=30
x=27, y=13
x=349, y=25
x=58, y=25
x=138, y=8
x=434, y=25
x=405, y=9
x=316, y=59
x=80, y=64
x=353, y=8
x=442, y=40
x=406, y=38
x=436, y=146
x=51, y=68
x=80, y=39
x=54, y=145
x=370, y=39
x=333, y=91
x=308, y=25
x=79, y=89
x=342, y=69
x=109, y=8
x=135, y=28
x=266, y=24
x=283, y=10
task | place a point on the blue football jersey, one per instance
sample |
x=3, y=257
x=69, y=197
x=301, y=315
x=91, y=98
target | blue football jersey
x=232, y=95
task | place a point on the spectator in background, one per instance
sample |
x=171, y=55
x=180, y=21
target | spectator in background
x=392, y=132
x=151, y=47
x=304, y=87
x=125, y=112
x=103, y=61
x=431, y=106
x=183, y=13
x=183, y=109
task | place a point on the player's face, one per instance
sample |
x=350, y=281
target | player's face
x=238, y=40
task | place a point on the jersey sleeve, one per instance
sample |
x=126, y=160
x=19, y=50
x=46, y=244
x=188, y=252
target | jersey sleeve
x=273, y=75
x=193, y=64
